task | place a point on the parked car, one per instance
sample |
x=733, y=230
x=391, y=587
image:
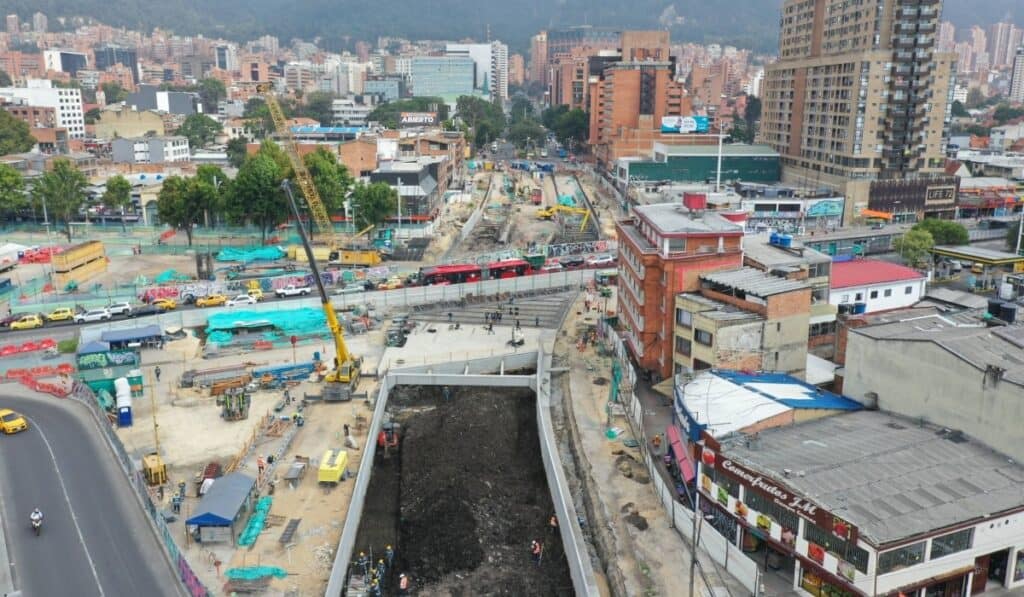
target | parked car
x=600, y=260
x=352, y=288
x=551, y=266
x=120, y=309
x=27, y=322
x=145, y=310
x=92, y=315
x=242, y=299
x=6, y=321
x=12, y=422
x=212, y=300
x=571, y=261
x=166, y=304
x=62, y=314
x=292, y=290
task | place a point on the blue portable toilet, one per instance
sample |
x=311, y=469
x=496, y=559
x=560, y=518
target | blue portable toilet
x=123, y=401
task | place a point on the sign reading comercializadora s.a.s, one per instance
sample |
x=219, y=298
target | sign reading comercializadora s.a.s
x=408, y=119
x=684, y=124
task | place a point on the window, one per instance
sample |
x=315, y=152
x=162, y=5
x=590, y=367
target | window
x=703, y=337
x=874, y=294
x=683, y=346
x=822, y=329
x=859, y=297
x=888, y=292
x=842, y=549
x=908, y=290
x=684, y=318
x=676, y=245
x=952, y=543
x=901, y=558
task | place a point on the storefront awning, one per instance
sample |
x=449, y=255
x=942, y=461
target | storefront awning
x=675, y=442
x=873, y=213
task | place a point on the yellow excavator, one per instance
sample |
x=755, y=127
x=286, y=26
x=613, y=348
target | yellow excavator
x=550, y=212
x=339, y=253
x=346, y=365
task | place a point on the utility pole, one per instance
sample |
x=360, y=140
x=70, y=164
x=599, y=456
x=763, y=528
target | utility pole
x=1020, y=231
x=399, y=191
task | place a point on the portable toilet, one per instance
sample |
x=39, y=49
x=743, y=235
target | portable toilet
x=123, y=401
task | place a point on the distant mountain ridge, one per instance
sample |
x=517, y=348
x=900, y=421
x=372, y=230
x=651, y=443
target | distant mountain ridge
x=339, y=23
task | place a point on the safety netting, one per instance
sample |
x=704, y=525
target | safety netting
x=170, y=275
x=249, y=254
x=255, y=526
x=255, y=573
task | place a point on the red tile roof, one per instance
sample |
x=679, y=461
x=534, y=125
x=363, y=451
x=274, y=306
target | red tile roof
x=866, y=272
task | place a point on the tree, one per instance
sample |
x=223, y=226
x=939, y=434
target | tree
x=210, y=92
x=200, y=130
x=975, y=97
x=118, y=196
x=526, y=132
x=5, y=79
x=373, y=204
x=61, y=192
x=1013, y=235
x=12, y=190
x=319, y=107
x=944, y=232
x=220, y=183
x=572, y=127
x=256, y=193
x=485, y=119
x=330, y=177
x=959, y=110
x=237, y=149
x=15, y=135
x=113, y=92
x=913, y=246
x=522, y=109
x=92, y=116
x=1005, y=113
x=182, y=202
x=551, y=115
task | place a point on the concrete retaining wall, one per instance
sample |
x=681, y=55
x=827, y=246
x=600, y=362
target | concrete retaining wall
x=458, y=373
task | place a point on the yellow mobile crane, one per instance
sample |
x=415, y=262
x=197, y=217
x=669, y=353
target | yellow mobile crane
x=337, y=253
x=346, y=366
x=549, y=212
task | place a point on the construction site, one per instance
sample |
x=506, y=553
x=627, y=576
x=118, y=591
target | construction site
x=462, y=495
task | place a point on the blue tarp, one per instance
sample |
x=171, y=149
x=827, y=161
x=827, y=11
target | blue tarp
x=93, y=347
x=221, y=504
x=132, y=334
x=799, y=394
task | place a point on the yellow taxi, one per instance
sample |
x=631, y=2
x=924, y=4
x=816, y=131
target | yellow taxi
x=213, y=300
x=166, y=304
x=27, y=322
x=391, y=283
x=12, y=422
x=255, y=293
x=62, y=314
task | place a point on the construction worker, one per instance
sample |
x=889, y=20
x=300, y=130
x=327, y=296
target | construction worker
x=389, y=556
x=447, y=393
x=261, y=464
x=656, y=442
x=363, y=563
x=156, y=372
x=403, y=585
x=536, y=552
x=553, y=524
x=382, y=571
x=374, y=589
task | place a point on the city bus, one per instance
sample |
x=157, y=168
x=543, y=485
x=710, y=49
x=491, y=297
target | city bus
x=450, y=274
x=509, y=268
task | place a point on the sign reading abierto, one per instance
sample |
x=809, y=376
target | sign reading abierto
x=409, y=119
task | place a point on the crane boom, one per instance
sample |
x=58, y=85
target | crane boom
x=302, y=176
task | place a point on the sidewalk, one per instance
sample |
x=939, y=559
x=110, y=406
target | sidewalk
x=649, y=556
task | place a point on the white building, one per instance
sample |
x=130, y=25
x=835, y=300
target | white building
x=491, y=66
x=150, y=150
x=226, y=57
x=868, y=286
x=346, y=111
x=66, y=102
x=1017, y=77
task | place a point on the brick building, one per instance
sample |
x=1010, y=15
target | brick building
x=663, y=249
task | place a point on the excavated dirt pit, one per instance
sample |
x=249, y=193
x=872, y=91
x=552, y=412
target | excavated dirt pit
x=465, y=496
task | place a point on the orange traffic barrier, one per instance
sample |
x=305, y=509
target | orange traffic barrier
x=65, y=369
x=263, y=345
x=16, y=373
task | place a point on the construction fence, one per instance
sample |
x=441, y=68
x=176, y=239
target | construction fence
x=189, y=579
x=723, y=552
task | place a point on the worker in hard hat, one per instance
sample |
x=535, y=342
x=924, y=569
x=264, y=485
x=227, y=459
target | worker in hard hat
x=363, y=563
x=403, y=585
x=389, y=556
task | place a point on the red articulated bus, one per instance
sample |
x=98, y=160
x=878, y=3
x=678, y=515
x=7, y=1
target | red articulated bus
x=509, y=268
x=450, y=274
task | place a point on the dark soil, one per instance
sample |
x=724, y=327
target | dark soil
x=474, y=495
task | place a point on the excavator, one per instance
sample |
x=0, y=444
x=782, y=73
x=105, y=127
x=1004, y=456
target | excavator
x=339, y=253
x=549, y=212
x=346, y=365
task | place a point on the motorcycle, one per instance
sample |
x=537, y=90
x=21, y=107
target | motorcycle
x=37, y=525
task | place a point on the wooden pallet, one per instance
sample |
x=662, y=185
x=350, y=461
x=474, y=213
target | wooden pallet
x=273, y=520
x=289, y=531
x=247, y=586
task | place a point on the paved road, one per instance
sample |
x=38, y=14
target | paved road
x=95, y=539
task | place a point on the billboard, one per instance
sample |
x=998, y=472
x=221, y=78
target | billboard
x=684, y=124
x=409, y=119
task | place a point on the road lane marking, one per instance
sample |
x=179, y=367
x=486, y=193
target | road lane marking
x=67, y=500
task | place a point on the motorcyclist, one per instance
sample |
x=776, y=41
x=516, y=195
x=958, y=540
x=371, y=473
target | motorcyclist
x=37, y=518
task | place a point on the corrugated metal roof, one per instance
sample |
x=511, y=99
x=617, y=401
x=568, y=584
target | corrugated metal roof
x=754, y=281
x=866, y=272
